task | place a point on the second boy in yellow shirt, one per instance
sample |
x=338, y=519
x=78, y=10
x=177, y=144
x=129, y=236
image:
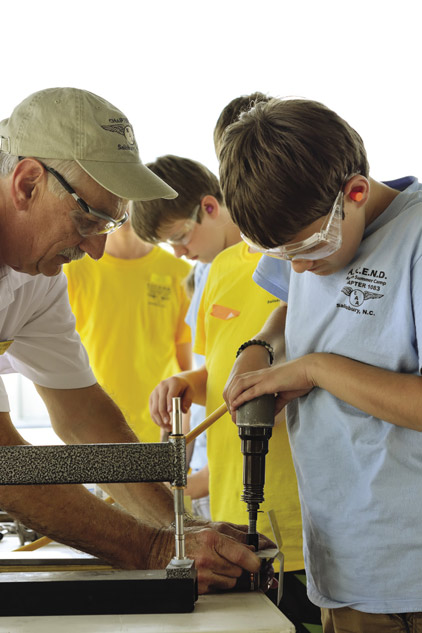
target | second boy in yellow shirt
x=130, y=308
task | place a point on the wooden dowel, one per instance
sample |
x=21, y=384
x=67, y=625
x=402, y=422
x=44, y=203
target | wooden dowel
x=30, y=547
x=213, y=417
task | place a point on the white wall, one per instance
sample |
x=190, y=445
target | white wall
x=171, y=65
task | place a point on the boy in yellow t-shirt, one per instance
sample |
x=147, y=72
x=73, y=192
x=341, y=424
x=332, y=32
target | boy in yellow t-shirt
x=130, y=309
x=197, y=226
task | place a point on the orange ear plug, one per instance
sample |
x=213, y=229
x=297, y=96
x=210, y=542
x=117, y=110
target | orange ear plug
x=356, y=195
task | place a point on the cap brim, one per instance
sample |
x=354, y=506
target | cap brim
x=132, y=181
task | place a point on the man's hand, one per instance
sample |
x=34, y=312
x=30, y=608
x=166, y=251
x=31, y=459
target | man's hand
x=238, y=532
x=219, y=557
x=160, y=400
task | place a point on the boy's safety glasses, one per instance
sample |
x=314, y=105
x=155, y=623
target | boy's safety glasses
x=319, y=245
x=184, y=235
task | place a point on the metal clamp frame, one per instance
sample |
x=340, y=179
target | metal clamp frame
x=105, y=463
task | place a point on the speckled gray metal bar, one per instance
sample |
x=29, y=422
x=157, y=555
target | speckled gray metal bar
x=97, y=463
x=179, y=446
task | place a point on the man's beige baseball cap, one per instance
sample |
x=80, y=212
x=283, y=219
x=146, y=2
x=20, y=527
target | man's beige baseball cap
x=73, y=124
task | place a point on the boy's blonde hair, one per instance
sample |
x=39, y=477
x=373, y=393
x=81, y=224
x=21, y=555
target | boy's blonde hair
x=190, y=179
x=282, y=165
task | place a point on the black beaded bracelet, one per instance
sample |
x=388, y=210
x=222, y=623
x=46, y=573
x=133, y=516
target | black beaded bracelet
x=257, y=342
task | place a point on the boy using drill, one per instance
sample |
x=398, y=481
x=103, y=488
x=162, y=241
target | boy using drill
x=345, y=251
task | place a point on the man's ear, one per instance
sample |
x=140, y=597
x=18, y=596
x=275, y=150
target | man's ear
x=357, y=189
x=210, y=206
x=27, y=177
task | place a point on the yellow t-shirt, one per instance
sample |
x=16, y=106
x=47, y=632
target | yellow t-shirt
x=232, y=310
x=130, y=316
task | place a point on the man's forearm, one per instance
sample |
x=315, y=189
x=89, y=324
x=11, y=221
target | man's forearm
x=152, y=503
x=75, y=517
x=72, y=515
x=89, y=416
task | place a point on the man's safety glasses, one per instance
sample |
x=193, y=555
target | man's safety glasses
x=84, y=222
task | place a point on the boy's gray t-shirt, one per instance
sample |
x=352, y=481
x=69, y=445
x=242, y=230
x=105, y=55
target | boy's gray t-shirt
x=360, y=478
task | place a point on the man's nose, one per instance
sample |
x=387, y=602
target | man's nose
x=94, y=245
x=301, y=265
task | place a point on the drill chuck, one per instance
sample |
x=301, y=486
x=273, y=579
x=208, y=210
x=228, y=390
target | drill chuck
x=254, y=447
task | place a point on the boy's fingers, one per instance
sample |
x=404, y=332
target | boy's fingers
x=161, y=406
x=158, y=406
x=186, y=401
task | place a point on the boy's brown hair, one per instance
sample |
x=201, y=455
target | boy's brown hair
x=282, y=165
x=190, y=179
x=231, y=113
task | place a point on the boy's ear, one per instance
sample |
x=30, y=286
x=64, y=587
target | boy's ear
x=210, y=206
x=357, y=189
x=27, y=175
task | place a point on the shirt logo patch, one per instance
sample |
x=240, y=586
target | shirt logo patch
x=224, y=313
x=159, y=290
x=363, y=284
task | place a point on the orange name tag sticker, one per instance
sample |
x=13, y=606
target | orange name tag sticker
x=224, y=313
x=4, y=346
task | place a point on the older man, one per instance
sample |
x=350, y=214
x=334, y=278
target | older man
x=69, y=163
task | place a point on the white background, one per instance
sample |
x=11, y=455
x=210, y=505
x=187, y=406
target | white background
x=171, y=66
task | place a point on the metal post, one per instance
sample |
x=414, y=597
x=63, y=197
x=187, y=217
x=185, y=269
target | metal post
x=179, y=502
x=179, y=564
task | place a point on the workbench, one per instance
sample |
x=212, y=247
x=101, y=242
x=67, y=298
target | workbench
x=214, y=613
x=249, y=612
